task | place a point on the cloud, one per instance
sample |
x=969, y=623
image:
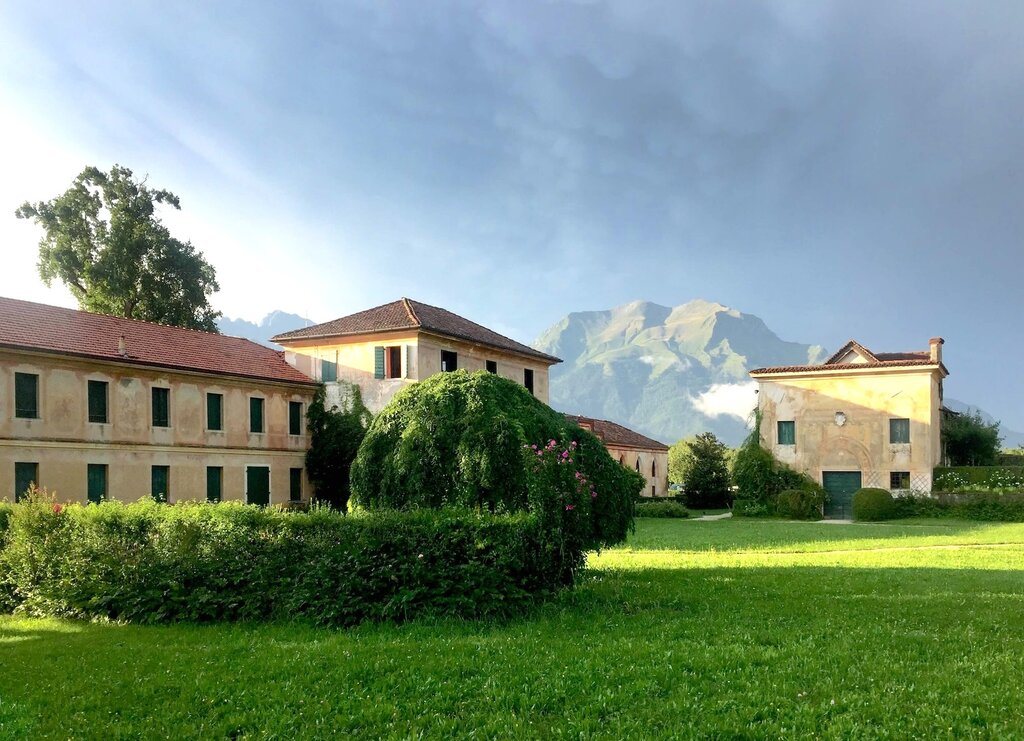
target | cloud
x=729, y=399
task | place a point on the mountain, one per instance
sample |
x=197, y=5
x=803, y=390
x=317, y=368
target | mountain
x=272, y=324
x=1011, y=438
x=666, y=372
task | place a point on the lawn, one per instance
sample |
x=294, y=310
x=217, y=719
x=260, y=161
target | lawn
x=694, y=629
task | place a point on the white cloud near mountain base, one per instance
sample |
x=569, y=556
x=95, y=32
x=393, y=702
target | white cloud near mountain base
x=731, y=399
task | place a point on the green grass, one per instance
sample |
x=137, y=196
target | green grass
x=696, y=629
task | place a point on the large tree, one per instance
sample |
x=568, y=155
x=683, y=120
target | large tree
x=103, y=239
x=969, y=440
x=707, y=479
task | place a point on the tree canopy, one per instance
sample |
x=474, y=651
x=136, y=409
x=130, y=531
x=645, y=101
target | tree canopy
x=707, y=479
x=970, y=441
x=103, y=240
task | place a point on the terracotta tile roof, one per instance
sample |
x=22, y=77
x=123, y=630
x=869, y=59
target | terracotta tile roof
x=53, y=329
x=611, y=433
x=873, y=360
x=408, y=314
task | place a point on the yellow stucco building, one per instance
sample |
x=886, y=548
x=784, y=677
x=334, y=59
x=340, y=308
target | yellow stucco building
x=390, y=346
x=95, y=407
x=647, y=457
x=859, y=419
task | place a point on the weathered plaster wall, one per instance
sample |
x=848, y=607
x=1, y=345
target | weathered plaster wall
x=657, y=482
x=474, y=357
x=868, y=400
x=62, y=440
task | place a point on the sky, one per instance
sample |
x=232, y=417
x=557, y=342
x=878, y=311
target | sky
x=839, y=169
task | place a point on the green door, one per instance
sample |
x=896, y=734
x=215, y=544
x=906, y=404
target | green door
x=840, y=486
x=257, y=485
x=97, y=482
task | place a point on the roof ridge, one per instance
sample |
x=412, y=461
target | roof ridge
x=850, y=344
x=411, y=312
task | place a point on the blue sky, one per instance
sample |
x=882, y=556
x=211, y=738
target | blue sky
x=838, y=169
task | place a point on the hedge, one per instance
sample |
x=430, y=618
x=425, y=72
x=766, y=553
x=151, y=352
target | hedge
x=146, y=562
x=752, y=508
x=872, y=505
x=801, y=504
x=984, y=506
x=965, y=478
x=661, y=509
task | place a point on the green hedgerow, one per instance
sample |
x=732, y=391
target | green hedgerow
x=661, y=509
x=801, y=504
x=873, y=505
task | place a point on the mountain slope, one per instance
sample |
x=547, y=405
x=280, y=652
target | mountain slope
x=272, y=324
x=666, y=372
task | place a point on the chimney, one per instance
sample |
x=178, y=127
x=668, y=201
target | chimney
x=935, y=349
x=122, y=348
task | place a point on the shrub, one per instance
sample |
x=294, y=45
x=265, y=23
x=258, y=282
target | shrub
x=661, y=509
x=464, y=439
x=968, y=440
x=872, y=505
x=753, y=473
x=978, y=478
x=751, y=508
x=985, y=506
x=144, y=562
x=801, y=504
x=707, y=477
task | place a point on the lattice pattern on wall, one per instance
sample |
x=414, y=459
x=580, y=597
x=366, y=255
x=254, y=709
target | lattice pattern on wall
x=920, y=482
x=874, y=480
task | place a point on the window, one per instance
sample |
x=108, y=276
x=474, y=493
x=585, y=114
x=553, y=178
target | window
x=622, y=459
x=255, y=414
x=899, y=431
x=394, y=362
x=387, y=362
x=637, y=464
x=652, y=490
x=654, y=468
x=161, y=407
x=26, y=475
x=257, y=485
x=899, y=480
x=98, y=401
x=215, y=411
x=295, y=484
x=787, y=433
x=328, y=371
x=161, y=477
x=449, y=361
x=96, y=481
x=528, y=379
x=26, y=395
x=294, y=417
x=492, y=366
x=214, y=483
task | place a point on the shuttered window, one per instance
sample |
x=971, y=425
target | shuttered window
x=214, y=483
x=26, y=395
x=215, y=411
x=98, y=401
x=161, y=407
x=25, y=475
x=328, y=371
x=97, y=482
x=295, y=484
x=257, y=485
x=255, y=414
x=160, y=487
x=378, y=362
x=899, y=431
x=294, y=417
x=787, y=433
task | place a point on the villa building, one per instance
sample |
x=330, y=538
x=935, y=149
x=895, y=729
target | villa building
x=95, y=407
x=859, y=419
x=383, y=349
x=646, y=456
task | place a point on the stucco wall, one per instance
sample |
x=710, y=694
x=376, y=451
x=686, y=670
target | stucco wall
x=62, y=440
x=868, y=399
x=657, y=484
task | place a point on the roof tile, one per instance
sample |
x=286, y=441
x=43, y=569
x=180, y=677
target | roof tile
x=611, y=433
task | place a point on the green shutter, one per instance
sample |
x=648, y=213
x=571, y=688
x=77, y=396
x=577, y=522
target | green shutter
x=294, y=417
x=214, y=411
x=899, y=431
x=98, y=401
x=25, y=474
x=787, y=433
x=257, y=485
x=378, y=362
x=295, y=484
x=255, y=414
x=161, y=407
x=160, y=477
x=26, y=395
x=97, y=482
x=328, y=371
x=214, y=483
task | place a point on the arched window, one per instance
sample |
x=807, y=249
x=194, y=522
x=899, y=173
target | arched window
x=622, y=459
x=654, y=468
x=638, y=464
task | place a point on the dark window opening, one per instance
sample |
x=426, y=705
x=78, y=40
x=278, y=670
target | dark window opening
x=395, y=362
x=294, y=417
x=215, y=411
x=654, y=468
x=492, y=366
x=26, y=475
x=899, y=480
x=899, y=431
x=160, y=483
x=257, y=485
x=161, y=407
x=528, y=379
x=449, y=361
x=255, y=414
x=98, y=401
x=97, y=482
x=637, y=464
x=295, y=484
x=26, y=395
x=214, y=483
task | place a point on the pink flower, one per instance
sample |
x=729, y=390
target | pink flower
x=593, y=494
x=570, y=507
x=565, y=453
x=57, y=508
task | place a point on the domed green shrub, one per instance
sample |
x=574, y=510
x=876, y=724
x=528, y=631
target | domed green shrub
x=872, y=505
x=801, y=504
x=481, y=441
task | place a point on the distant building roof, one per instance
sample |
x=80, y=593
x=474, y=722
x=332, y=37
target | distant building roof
x=868, y=359
x=611, y=433
x=25, y=325
x=408, y=314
